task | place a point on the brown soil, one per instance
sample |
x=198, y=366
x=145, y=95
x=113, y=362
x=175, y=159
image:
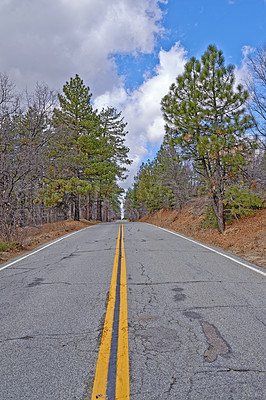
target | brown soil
x=31, y=237
x=245, y=237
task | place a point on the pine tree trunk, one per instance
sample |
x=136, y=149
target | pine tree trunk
x=72, y=208
x=48, y=215
x=88, y=216
x=106, y=211
x=99, y=209
x=76, y=203
x=218, y=207
x=221, y=223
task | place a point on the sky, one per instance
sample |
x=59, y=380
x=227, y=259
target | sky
x=127, y=51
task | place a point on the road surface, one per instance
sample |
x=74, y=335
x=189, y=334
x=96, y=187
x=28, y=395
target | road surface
x=195, y=319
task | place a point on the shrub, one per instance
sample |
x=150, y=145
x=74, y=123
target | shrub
x=4, y=246
x=210, y=219
x=240, y=202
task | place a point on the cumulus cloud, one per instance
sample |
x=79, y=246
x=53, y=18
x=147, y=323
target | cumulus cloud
x=242, y=72
x=142, y=108
x=51, y=40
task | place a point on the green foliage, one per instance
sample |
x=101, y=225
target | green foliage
x=5, y=246
x=164, y=182
x=53, y=191
x=240, y=202
x=150, y=191
x=75, y=102
x=210, y=219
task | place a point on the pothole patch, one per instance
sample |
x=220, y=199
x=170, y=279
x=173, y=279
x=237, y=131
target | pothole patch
x=217, y=345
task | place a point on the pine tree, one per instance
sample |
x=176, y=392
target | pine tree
x=74, y=120
x=174, y=174
x=205, y=115
x=112, y=155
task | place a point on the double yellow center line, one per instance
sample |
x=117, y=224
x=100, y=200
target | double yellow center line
x=112, y=371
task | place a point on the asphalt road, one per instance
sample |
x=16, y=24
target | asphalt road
x=196, y=319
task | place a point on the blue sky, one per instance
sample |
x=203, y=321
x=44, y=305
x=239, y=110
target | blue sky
x=196, y=24
x=229, y=24
x=127, y=51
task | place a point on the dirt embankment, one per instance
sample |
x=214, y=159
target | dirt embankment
x=245, y=237
x=33, y=236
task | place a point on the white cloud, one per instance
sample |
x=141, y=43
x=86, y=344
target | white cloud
x=51, y=40
x=242, y=73
x=142, y=107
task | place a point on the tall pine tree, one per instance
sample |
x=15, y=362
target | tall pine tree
x=205, y=115
x=73, y=120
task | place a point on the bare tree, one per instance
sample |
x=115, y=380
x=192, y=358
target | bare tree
x=9, y=99
x=25, y=135
x=257, y=65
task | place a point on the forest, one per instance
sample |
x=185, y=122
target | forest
x=214, y=143
x=59, y=157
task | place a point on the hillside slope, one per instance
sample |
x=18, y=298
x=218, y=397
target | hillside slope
x=245, y=237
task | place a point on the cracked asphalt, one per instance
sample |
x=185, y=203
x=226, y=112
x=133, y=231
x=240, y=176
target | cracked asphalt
x=196, y=319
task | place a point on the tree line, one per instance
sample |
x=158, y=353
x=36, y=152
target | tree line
x=214, y=143
x=59, y=157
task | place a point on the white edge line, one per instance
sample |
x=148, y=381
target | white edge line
x=44, y=247
x=215, y=251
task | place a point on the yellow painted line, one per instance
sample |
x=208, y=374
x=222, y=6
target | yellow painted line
x=122, y=391
x=100, y=381
x=122, y=370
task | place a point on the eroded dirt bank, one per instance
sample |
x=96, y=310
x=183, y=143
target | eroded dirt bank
x=245, y=237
